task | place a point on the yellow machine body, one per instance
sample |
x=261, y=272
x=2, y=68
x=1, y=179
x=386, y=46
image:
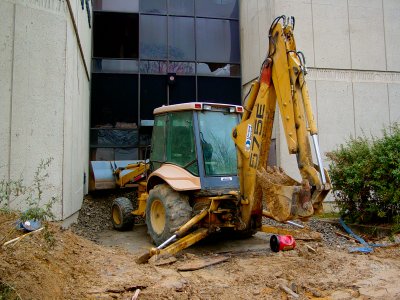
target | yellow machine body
x=263, y=191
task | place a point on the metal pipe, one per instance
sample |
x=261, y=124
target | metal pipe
x=294, y=224
x=319, y=159
x=171, y=239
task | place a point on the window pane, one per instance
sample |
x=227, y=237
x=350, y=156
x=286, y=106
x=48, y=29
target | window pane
x=115, y=137
x=153, y=67
x=114, y=66
x=184, y=90
x=116, y=5
x=153, y=37
x=114, y=99
x=115, y=35
x=158, y=139
x=185, y=68
x=181, y=7
x=219, y=151
x=153, y=6
x=216, y=69
x=181, y=38
x=217, y=8
x=126, y=153
x=153, y=94
x=221, y=90
x=217, y=40
x=181, y=148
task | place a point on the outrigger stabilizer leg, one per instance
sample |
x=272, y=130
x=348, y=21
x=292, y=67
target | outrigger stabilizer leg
x=180, y=244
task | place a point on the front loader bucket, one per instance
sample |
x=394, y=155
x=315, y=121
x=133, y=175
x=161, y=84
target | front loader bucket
x=102, y=173
x=285, y=198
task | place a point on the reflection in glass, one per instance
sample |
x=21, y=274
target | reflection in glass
x=114, y=66
x=216, y=69
x=153, y=6
x=116, y=5
x=217, y=8
x=153, y=67
x=217, y=40
x=153, y=37
x=153, y=94
x=219, y=151
x=159, y=139
x=181, y=7
x=181, y=68
x=184, y=90
x=115, y=35
x=219, y=89
x=181, y=38
x=181, y=149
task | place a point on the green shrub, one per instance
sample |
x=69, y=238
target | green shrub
x=366, y=178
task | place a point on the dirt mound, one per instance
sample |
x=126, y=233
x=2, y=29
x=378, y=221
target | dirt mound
x=58, y=264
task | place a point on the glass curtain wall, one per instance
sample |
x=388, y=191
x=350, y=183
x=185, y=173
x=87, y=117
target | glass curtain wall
x=147, y=53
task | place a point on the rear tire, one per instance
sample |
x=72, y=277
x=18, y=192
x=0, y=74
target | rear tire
x=166, y=211
x=121, y=214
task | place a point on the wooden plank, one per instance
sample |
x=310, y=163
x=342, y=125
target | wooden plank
x=202, y=263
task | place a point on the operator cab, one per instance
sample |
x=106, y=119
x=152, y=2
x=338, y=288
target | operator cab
x=197, y=137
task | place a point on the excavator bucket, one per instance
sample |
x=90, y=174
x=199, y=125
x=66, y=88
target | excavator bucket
x=112, y=174
x=285, y=198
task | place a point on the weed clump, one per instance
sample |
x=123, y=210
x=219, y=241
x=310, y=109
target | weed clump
x=38, y=208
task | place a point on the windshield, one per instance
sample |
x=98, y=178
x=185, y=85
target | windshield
x=218, y=147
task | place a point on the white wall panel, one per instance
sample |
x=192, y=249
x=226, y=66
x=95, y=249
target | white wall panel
x=392, y=33
x=6, y=64
x=331, y=34
x=302, y=11
x=367, y=35
x=38, y=97
x=394, y=102
x=335, y=113
x=249, y=36
x=371, y=108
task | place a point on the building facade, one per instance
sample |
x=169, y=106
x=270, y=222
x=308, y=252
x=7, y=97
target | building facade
x=152, y=53
x=45, y=53
x=351, y=53
x=79, y=83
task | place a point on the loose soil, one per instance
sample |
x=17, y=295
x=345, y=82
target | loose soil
x=60, y=264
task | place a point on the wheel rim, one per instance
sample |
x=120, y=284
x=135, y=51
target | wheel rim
x=116, y=216
x=157, y=216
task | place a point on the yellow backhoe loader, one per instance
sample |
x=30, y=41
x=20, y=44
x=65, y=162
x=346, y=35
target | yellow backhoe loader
x=207, y=169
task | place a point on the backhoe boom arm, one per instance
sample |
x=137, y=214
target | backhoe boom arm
x=282, y=82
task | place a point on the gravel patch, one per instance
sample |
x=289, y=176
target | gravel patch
x=95, y=214
x=327, y=227
x=95, y=217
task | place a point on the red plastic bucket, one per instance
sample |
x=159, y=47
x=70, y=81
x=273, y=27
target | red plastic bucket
x=282, y=243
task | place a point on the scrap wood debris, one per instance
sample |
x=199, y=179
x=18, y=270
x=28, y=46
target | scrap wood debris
x=202, y=263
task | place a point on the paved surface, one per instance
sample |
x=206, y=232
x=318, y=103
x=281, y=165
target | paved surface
x=137, y=240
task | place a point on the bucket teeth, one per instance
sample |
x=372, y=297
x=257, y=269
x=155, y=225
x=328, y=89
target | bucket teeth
x=285, y=198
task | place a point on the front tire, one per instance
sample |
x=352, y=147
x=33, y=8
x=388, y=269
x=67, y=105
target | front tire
x=121, y=214
x=166, y=211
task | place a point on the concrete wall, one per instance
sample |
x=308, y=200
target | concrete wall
x=44, y=95
x=351, y=51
